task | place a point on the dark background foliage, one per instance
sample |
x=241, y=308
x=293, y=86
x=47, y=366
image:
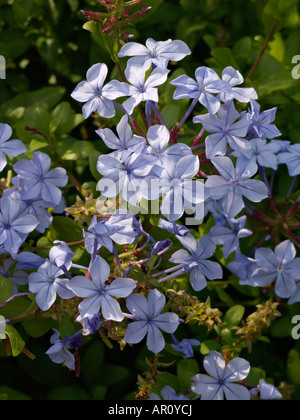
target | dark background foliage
x=47, y=53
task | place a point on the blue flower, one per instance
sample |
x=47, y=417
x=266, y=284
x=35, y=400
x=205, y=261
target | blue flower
x=150, y=320
x=61, y=255
x=99, y=294
x=36, y=181
x=29, y=261
x=267, y=391
x=47, y=284
x=234, y=183
x=291, y=157
x=178, y=189
x=14, y=228
x=225, y=129
x=221, y=379
x=196, y=260
x=11, y=148
x=90, y=323
x=234, y=78
x=118, y=228
x=229, y=236
x=243, y=267
x=158, y=137
x=156, y=53
x=280, y=266
x=36, y=207
x=265, y=154
x=207, y=83
x=142, y=89
x=168, y=394
x=99, y=97
x=185, y=346
x=124, y=176
x=261, y=122
x=60, y=352
x=126, y=143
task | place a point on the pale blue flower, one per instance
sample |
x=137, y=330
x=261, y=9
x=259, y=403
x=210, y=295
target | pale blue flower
x=185, y=346
x=280, y=266
x=291, y=157
x=227, y=128
x=168, y=394
x=35, y=180
x=122, y=177
x=264, y=154
x=234, y=184
x=221, y=379
x=157, y=54
x=47, y=284
x=98, y=294
x=178, y=189
x=261, y=122
x=158, y=137
x=99, y=97
x=61, y=255
x=267, y=391
x=141, y=88
x=229, y=236
x=11, y=148
x=196, y=260
x=150, y=320
x=126, y=143
x=234, y=78
x=60, y=352
x=14, y=228
x=119, y=228
x=206, y=85
x=243, y=267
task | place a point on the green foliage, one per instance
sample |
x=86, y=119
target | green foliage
x=48, y=46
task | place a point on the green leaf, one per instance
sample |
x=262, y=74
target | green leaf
x=208, y=346
x=186, y=369
x=16, y=341
x=234, y=316
x=170, y=114
x=12, y=394
x=293, y=367
x=64, y=228
x=6, y=288
x=64, y=119
x=92, y=372
x=255, y=376
x=38, y=327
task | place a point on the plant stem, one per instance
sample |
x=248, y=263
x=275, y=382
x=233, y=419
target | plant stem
x=258, y=60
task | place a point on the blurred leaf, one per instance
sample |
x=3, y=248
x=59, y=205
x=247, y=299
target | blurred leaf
x=64, y=228
x=16, y=341
x=293, y=367
x=6, y=288
x=186, y=369
x=234, y=316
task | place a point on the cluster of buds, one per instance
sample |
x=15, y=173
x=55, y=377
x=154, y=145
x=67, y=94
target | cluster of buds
x=118, y=16
x=184, y=304
x=83, y=211
x=258, y=321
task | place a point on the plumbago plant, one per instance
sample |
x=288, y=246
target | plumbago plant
x=166, y=228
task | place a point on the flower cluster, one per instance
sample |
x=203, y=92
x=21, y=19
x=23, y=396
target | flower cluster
x=149, y=164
